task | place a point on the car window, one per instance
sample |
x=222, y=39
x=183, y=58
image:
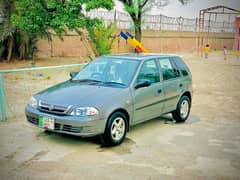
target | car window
x=109, y=71
x=181, y=66
x=149, y=71
x=175, y=69
x=168, y=70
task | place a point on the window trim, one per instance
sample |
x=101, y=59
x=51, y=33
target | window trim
x=141, y=65
x=177, y=68
x=170, y=60
x=186, y=68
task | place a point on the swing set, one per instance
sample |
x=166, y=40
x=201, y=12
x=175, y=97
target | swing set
x=215, y=11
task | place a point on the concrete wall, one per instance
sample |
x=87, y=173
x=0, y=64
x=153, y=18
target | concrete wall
x=70, y=46
x=156, y=41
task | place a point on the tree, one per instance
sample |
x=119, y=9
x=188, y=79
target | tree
x=40, y=18
x=102, y=36
x=137, y=8
x=7, y=31
x=13, y=41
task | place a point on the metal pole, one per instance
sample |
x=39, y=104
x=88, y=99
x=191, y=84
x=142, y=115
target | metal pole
x=51, y=50
x=2, y=101
x=115, y=17
x=160, y=23
x=196, y=24
x=209, y=25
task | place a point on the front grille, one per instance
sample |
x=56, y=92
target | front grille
x=32, y=120
x=53, y=109
x=69, y=128
x=57, y=126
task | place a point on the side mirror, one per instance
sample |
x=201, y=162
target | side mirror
x=142, y=84
x=73, y=74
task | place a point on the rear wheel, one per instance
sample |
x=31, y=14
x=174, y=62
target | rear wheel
x=115, y=130
x=183, y=109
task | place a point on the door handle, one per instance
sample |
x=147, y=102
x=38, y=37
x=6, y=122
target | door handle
x=159, y=91
x=180, y=85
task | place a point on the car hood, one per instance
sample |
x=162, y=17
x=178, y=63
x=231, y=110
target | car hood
x=78, y=94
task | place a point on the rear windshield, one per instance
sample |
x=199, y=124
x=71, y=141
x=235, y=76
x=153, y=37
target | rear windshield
x=182, y=66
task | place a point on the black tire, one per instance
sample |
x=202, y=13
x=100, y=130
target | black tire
x=108, y=138
x=177, y=113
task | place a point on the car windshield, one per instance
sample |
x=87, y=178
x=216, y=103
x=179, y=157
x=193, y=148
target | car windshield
x=108, y=71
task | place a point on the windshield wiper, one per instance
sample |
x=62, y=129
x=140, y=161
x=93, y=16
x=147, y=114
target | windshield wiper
x=115, y=83
x=87, y=80
x=98, y=81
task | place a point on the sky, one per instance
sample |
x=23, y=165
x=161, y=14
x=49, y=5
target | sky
x=191, y=10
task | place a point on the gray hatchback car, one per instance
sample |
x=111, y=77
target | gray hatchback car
x=112, y=93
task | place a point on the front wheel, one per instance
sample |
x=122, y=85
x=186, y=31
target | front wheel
x=115, y=130
x=183, y=109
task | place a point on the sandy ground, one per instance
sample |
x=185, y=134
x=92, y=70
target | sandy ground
x=41, y=62
x=206, y=146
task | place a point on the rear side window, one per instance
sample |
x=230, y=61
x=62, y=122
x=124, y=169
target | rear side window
x=168, y=70
x=181, y=66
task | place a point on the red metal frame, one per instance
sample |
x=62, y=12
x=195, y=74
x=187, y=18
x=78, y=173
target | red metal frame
x=212, y=10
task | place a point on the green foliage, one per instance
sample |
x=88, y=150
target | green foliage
x=103, y=37
x=48, y=77
x=6, y=28
x=27, y=20
x=14, y=41
x=29, y=17
x=107, y=4
x=41, y=17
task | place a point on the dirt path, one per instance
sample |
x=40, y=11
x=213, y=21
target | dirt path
x=42, y=62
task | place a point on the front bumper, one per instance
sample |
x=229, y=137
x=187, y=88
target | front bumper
x=74, y=125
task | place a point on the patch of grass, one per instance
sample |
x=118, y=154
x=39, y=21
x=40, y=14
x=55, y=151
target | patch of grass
x=48, y=77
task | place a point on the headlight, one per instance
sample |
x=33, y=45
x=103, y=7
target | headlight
x=84, y=111
x=33, y=102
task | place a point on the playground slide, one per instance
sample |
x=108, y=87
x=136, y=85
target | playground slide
x=133, y=42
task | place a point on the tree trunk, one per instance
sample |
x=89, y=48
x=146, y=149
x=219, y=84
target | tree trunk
x=10, y=47
x=138, y=33
x=138, y=26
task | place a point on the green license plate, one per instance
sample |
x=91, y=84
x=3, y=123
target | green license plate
x=46, y=122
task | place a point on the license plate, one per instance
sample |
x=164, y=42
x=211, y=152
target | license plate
x=46, y=122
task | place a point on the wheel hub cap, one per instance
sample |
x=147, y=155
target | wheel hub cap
x=184, y=109
x=118, y=128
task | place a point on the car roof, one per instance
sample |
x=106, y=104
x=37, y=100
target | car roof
x=139, y=56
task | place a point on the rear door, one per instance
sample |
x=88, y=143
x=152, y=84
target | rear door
x=148, y=100
x=171, y=83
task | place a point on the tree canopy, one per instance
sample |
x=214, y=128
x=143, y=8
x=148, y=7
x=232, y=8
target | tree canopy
x=25, y=20
x=43, y=16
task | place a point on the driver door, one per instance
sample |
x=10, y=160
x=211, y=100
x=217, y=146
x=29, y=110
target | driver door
x=148, y=100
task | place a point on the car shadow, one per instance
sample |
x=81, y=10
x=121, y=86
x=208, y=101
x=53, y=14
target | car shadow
x=67, y=139
x=161, y=120
x=125, y=147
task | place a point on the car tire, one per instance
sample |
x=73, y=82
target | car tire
x=115, y=130
x=183, y=109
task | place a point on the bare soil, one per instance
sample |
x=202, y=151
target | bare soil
x=206, y=146
x=41, y=62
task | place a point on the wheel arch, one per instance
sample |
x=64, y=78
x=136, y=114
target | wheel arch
x=125, y=112
x=188, y=94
